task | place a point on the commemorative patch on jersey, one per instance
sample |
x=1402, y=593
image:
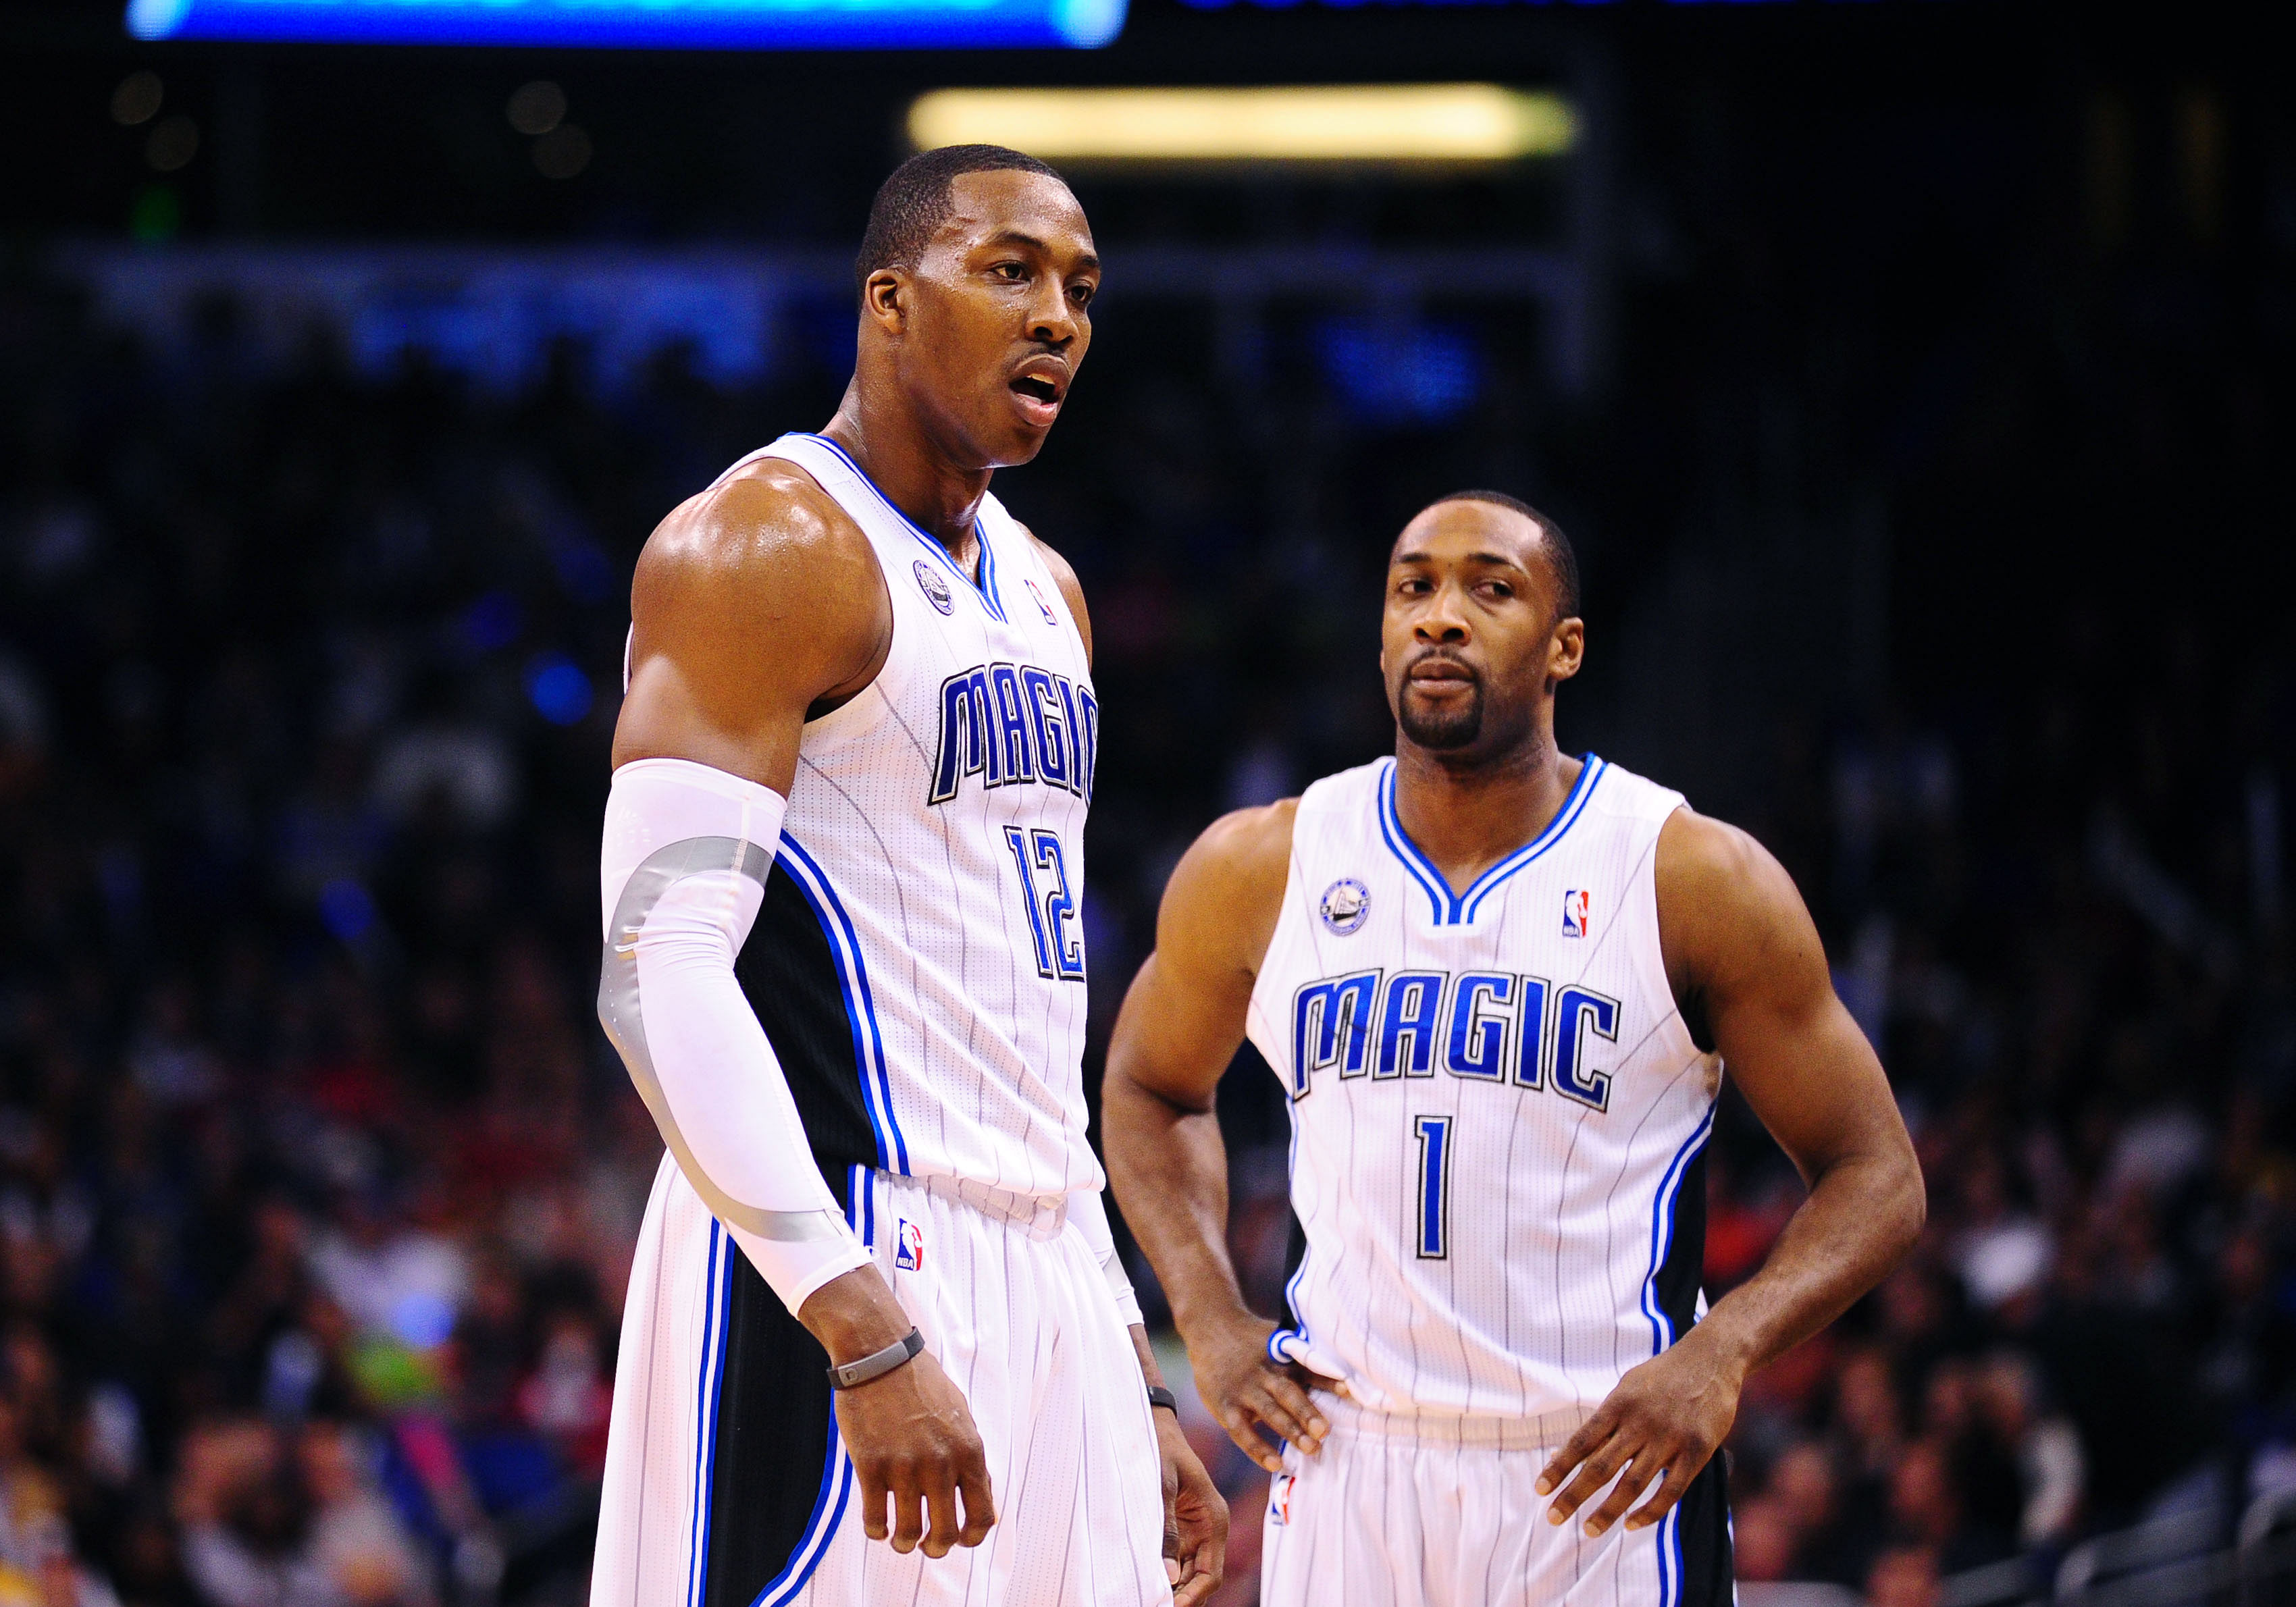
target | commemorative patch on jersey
x=909, y=1246
x=1279, y=1499
x=1345, y=904
x=1577, y=913
x=935, y=588
x=1043, y=607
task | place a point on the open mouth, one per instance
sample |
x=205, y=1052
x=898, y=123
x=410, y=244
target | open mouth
x=1036, y=389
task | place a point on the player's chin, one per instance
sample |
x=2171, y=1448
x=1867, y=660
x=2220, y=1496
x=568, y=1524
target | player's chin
x=1441, y=725
x=1015, y=439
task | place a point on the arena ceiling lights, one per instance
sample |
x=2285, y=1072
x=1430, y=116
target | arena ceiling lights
x=1361, y=123
x=689, y=24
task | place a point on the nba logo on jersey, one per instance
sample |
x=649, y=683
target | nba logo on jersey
x=1043, y=607
x=909, y=1246
x=1279, y=1499
x=1575, y=913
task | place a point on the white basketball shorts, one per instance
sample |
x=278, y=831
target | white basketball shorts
x=726, y=1485
x=1384, y=1516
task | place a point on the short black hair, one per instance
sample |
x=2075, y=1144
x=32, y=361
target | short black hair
x=914, y=201
x=1561, y=559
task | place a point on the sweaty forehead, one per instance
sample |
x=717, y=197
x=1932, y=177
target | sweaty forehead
x=1450, y=531
x=981, y=204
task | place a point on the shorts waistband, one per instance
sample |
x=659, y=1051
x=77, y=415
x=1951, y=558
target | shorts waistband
x=1039, y=1216
x=1547, y=1430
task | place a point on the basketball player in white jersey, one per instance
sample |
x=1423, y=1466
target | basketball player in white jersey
x=842, y=862
x=1500, y=987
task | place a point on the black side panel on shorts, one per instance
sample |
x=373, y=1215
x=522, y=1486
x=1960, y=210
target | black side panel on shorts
x=793, y=981
x=1676, y=1284
x=773, y=1421
x=1708, y=1574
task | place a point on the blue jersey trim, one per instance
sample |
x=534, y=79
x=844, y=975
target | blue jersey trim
x=1590, y=773
x=860, y=1003
x=713, y=1314
x=985, y=588
x=837, y=1481
x=1292, y=1285
x=1459, y=909
x=836, y=1473
x=1399, y=844
x=1662, y=1333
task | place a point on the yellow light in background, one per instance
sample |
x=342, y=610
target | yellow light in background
x=1352, y=122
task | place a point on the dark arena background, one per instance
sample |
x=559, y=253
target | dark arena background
x=1914, y=377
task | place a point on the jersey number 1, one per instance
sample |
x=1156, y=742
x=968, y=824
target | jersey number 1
x=1434, y=1133
x=1060, y=955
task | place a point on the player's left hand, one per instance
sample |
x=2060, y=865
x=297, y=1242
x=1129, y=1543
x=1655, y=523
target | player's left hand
x=1195, y=1516
x=1668, y=1415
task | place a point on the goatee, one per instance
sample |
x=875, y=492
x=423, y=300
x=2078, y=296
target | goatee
x=1441, y=733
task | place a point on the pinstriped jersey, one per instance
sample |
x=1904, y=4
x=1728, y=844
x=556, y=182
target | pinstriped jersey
x=919, y=963
x=1498, y=1117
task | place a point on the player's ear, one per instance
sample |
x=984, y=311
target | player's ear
x=1566, y=649
x=885, y=300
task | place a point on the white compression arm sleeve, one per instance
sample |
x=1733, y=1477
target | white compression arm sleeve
x=1092, y=1217
x=681, y=876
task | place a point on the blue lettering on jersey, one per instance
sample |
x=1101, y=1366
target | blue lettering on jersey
x=1331, y=1026
x=1012, y=723
x=1409, y=1009
x=1489, y=1026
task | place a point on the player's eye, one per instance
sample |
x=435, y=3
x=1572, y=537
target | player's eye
x=1084, y=294
x=1012, y=273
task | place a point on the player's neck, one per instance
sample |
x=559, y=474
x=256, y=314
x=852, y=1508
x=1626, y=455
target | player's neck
x=1468, y=817
x=897, y=451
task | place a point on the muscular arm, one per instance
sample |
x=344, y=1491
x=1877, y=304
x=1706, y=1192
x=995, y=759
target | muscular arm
x=754, y=605
x=1181, y=1025
x=1745, y=958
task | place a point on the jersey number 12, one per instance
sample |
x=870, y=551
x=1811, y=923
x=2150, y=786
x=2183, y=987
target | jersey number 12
x=1060, y=953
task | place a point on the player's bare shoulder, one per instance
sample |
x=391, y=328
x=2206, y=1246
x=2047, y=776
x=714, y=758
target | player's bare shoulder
x=765, y=539
x=1226, y=893
x=1727, y=910
x=764, y=566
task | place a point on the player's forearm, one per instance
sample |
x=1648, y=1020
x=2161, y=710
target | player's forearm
x=1151, y=1373
x=1863, y=1213
x=1168, y=1167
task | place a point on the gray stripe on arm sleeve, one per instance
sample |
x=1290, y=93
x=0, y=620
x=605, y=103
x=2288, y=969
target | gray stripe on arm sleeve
x=620, y=1012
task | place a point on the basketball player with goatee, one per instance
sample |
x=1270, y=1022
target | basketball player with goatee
x=1501, y=986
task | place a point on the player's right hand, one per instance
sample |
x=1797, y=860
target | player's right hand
x=910, y=1436
x=1249, y=1391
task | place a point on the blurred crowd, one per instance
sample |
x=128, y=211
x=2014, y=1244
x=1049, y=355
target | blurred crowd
x=318, y=1183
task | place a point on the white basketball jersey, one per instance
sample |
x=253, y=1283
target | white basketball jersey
x=919, y=961
x=1498, y=1117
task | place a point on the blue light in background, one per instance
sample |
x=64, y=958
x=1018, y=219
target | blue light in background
x=558, y=689
x=346, y=909
x=1393, y=372
x=491, y=622
x=687, y=24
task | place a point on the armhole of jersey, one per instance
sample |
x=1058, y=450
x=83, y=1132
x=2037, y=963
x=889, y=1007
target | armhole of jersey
x=1652, y=956
x=1265, y=1024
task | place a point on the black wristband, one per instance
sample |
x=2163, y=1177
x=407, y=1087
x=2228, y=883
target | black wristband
x=899, y=1353
x=1159, y=1396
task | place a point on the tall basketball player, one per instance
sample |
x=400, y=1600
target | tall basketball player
x=843, y=856
x=1500, y=987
